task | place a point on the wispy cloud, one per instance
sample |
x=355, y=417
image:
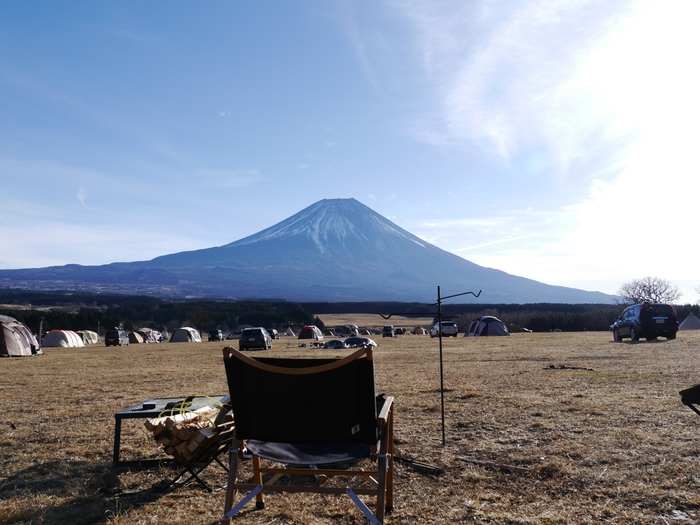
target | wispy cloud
x=82, y=195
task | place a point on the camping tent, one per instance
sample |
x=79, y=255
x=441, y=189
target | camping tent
x=311, y=332
x=186, y=334
x=16, y=339
x=135, y=338
x=418, y=330
x=62, y=338
x=89, y=337
x=148, y=335
x=691, y=323
x=289, y=332
x=486, y=325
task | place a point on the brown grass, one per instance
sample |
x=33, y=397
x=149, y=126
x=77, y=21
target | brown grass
x=608, y=445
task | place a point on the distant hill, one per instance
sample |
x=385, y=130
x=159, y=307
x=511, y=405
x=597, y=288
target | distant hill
x=334, y=250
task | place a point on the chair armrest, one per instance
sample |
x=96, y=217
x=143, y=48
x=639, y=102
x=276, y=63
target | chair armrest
x=383, y=416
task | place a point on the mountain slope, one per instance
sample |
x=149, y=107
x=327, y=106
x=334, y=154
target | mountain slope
x=334, y=250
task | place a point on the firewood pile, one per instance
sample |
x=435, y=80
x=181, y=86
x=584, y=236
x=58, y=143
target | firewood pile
x=184, y=435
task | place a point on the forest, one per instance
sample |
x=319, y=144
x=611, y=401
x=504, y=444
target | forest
x=74, y=311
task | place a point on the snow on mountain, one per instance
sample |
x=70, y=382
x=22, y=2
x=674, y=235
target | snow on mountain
x=333, y=221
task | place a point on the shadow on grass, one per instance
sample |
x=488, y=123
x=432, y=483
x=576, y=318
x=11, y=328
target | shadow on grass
x=71, y=492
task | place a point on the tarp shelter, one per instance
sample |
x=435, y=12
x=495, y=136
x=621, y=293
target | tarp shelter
x=135, y=338
x=486, y=325
x=311, y=332
x=289, y=332
x=691, y=323
x=16, y=339
x=148, y=335
x=62, y=338
x=89, y=337
x=186, y=334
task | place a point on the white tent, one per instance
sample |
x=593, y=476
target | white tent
x=135, y=338
x=89, y=337
x=62, y=338
x=486, y=325
x=186, y=334
x=289, y=332
x=691, y=323
x=16, y=339
x=311, y=332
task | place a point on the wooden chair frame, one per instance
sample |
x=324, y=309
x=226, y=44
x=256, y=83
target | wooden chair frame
x=380, y=477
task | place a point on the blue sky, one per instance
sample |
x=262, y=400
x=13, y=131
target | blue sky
x=552, y=140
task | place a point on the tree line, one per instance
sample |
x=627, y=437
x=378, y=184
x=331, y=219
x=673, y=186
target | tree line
x=164, y=315
x=90, y=311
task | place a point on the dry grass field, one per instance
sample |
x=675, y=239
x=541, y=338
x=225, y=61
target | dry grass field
x=603, y=439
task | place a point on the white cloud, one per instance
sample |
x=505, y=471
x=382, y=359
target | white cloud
x=82, y=195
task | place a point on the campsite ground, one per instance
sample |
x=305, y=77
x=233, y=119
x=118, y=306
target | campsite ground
x=597, y=425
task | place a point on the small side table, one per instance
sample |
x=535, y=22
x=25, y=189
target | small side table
x=154, y=408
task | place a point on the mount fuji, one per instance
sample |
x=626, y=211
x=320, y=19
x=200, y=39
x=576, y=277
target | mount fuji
x=335, y=250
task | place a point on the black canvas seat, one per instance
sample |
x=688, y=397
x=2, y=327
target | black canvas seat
x=312, y=416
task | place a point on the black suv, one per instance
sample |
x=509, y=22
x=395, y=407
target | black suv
x=116, y=338
x=256, y=337
x=216, y=335
x=629, y=325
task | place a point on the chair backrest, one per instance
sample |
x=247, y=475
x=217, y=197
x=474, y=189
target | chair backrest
x=303, y=400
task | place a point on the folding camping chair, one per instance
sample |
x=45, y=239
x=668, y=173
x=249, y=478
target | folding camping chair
x=314, y=416
x=208, y=453
x=691, y=397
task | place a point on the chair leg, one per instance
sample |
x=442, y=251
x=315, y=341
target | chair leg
x=381, y=487
x=389, y=504
x=257, y=479
x=231, y=487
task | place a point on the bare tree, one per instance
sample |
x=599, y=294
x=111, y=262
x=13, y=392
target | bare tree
x=652, y=289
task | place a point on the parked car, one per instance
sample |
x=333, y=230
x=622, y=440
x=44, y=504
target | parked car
x=216, y=335
x=334, y=344
x=448, y=329
x=629, y=325
x=256, y=337
x=388, y=331
x=236, y=334
x=116, y=338
x=354, y=342
x=274, y=334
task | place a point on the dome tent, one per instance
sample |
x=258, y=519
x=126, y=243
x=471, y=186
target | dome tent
x=62, y=338
x=16, y=339
x=486, y=325
x=135, y=338
x=186, y=334
x=89, y=337
x=691, y=323
x=311, y=332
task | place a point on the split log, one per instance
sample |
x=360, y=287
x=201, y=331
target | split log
x=183, y=435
